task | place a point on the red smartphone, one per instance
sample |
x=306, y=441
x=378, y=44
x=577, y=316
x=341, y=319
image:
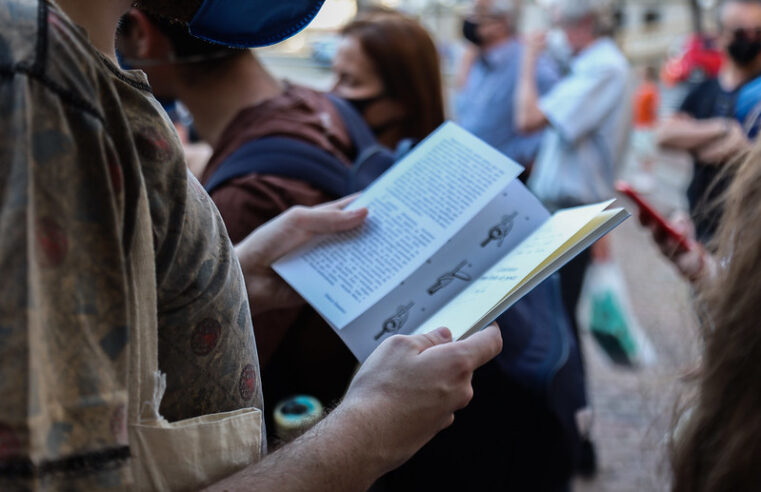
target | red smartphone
x=651, y=214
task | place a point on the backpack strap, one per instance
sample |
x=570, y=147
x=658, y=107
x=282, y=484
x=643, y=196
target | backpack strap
x=359, y=133
x=287, y=157
x=296, y=159
x=373, y=159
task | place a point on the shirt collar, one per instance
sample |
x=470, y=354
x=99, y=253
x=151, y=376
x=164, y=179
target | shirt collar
x=591, y=51
x=500, y=53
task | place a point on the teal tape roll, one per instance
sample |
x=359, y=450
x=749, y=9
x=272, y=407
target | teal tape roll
x=296, y=415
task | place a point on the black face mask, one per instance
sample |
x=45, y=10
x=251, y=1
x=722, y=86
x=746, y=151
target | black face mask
x=743, y=50
x=470, y=32
x=361, y=104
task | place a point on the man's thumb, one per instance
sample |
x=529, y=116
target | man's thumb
x=438, y=336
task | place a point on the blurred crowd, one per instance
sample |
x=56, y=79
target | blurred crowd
x=121, y=267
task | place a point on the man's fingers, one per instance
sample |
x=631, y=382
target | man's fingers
x=718, y=151
x=681, y=227
x=330, y=220
x=483, y=346
x=436, y=337
x=341, y=203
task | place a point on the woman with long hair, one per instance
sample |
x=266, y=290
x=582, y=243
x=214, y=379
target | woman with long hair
x=716, y=444
x=387, y=66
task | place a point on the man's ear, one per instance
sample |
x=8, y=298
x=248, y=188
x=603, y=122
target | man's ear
x=144, y=39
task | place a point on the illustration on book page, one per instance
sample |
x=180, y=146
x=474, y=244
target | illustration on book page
x=500, y=231
x=449, y=277
x=396, y=322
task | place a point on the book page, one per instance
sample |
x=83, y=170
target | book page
x=481, y=297
x=501, y=226
x=415, y=208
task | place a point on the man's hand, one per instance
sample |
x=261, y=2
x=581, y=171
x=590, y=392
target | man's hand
x=732, y=144
x=278, y=237
x=410, y=387
x=405, y=392
x=535, y=44
x=528, y=115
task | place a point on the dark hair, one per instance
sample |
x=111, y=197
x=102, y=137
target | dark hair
x=198, y=56
x=406, y=60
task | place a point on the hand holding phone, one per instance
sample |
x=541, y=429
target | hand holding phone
x=649, y=214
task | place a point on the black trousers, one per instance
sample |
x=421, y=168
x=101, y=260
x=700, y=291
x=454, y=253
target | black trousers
x=571, y=281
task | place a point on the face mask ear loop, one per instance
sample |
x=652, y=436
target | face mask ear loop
x=173, y=59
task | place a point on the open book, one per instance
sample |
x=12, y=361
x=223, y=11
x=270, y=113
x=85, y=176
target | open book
x=452, y=239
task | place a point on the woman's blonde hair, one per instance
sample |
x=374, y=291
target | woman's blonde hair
x=719, y=448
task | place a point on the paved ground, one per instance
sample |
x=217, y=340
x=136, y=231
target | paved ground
x=634, y=409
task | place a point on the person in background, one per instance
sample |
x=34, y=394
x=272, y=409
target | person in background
x=117, y=261
x=540, y=454
x=646, y=103
x=716, y=439
x=485, y=105
x=587, y=127
x=299, y=352
x=387, y=67
x=711, y=124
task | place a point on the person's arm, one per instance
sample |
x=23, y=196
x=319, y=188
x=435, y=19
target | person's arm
x=405, y=393
x=733, y=144
x=682, y=132
x=712, y=141
x=529, y=117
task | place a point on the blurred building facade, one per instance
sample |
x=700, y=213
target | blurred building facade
x=650, y=31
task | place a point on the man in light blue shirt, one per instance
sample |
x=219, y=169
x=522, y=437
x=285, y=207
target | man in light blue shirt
x=485, y=105
x=587, y=114
x=587, y=117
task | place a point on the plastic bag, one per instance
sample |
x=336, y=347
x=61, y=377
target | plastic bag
x=604, y=310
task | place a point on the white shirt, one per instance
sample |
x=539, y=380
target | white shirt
x=590, y=116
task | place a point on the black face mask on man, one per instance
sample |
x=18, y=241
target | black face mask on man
x=470, y=32
x=744, y=49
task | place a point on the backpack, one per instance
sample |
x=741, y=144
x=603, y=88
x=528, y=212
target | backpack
x=292, y=158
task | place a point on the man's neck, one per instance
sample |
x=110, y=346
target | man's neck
x=486, y=48
x=215, y=101
x=589, y=42
x=733, y=76
x=99, y=19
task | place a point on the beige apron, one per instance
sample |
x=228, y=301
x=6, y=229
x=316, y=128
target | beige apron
x=190, y=453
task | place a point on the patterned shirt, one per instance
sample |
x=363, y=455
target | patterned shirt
x=80, y=140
